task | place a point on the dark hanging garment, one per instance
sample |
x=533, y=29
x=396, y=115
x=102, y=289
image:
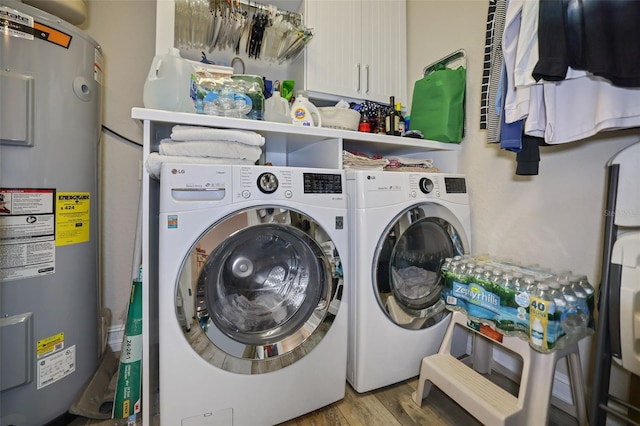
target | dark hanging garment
x=598, y=36
x=528, y=159
x=612, y=40
x=553, y=53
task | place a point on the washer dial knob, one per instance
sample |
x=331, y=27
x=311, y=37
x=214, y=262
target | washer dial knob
x=426, y=185
x=267, y=183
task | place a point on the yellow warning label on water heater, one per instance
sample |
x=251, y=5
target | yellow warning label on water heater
x=50, y=344
x=72, y=217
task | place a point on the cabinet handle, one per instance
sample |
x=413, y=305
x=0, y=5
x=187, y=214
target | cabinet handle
x=359, y=78
x=367, y=72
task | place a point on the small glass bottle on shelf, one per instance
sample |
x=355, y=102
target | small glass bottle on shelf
x=381, y=128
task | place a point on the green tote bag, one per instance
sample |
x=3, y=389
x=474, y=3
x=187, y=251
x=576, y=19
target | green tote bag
x=437, y=106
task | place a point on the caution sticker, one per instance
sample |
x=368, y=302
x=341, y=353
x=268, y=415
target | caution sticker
x=72, y=217
x=50, y=344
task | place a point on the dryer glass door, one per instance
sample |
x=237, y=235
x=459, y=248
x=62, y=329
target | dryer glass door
x=263, y=290
x=408, y=260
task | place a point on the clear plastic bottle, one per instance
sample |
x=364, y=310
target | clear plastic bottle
x=276, y=108
x=581, y=294
x=523, y=300
x=168, y=84
x=507, y=283
x=541, y=311
x=561, y=308
x=496, y=277
x=451, y=275
x=573, y=321
x=590, y=292
x=445, y=272
x=257, y=102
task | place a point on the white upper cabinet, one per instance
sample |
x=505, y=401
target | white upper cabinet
x=358, y=49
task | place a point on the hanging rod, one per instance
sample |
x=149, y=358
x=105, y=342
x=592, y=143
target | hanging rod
x=298, y=16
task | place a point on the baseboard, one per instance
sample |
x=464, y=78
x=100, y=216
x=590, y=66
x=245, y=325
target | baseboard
x=116, y=334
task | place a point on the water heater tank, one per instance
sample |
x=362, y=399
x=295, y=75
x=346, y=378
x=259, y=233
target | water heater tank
x=50, y=107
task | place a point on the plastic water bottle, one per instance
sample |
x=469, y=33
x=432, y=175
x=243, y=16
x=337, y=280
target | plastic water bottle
x=507, y=283
x=561, y=308
x=257, y=102
x=541, y=311
x=573, y=321
x=581, y=294
x=523, y=300
x=590, y=292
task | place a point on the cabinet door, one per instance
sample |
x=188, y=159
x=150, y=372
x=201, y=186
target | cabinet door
x=333, y=61
x=384, y=48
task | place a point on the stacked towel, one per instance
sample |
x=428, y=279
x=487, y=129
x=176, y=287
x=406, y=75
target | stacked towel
x=206, y=145
x=197, y=133
x=360, y=161
x=405, y=164
x=214, y=149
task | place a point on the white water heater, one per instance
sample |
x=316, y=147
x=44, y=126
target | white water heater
x=50, y=112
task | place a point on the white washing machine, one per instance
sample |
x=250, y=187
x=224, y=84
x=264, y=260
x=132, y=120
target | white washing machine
x=403, y=226
x=252, y=313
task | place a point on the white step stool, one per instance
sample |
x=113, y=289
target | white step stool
x=488, y=402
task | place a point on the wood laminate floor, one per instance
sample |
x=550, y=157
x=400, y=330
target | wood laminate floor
x=391, y=406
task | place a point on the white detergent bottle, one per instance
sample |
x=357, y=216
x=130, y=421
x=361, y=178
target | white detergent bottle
x=276, y=108
x=168, y=85
x=304, y=113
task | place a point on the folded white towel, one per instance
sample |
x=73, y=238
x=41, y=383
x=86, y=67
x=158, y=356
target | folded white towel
x=155, y=160
x=358, y=162
x=219, y=149
x=198, y=133
x=407, y=161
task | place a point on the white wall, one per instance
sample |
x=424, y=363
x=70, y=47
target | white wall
x=553, y=219
x=126, y=32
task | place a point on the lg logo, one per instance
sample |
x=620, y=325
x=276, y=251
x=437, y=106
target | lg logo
x=177, y=171
x=369, y=177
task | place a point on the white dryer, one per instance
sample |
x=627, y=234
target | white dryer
x=403, y=226
x=252, y=313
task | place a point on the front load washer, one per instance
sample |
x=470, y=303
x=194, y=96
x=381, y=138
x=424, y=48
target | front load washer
x=252, y=313
x=402, y=225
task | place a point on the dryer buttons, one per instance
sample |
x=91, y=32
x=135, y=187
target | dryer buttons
x=288, y=193
x=246, y=193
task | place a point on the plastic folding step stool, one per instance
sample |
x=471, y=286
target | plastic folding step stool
x=488, y=402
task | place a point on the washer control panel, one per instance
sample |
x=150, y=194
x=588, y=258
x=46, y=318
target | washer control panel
x=322, y=183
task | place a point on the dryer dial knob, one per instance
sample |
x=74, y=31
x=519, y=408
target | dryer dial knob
x=426, y=185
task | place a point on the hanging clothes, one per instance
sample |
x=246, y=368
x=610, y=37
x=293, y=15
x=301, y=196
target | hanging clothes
x=598, y=36
x=561, y=111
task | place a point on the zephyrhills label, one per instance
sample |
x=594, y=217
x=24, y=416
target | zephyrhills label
x=478, y=295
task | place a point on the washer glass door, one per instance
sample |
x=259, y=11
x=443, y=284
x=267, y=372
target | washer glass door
x=407, y=264
x=265, y=293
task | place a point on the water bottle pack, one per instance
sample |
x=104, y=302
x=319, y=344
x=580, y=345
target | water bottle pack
x=549, y=309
